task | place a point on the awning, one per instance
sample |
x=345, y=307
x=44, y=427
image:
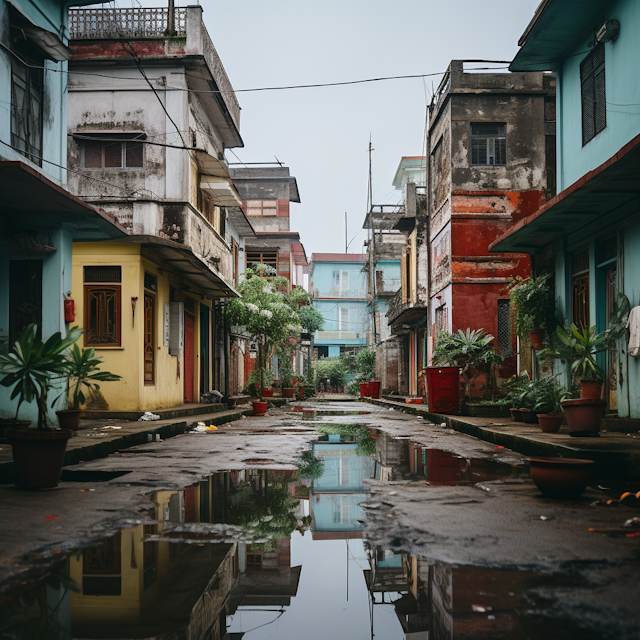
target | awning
x=29, y=200
x=552, y=33
x=594, y=202
x=240, y=222
x=48, y=42
x=221, y=190
x=211, y=166
x=180, y=259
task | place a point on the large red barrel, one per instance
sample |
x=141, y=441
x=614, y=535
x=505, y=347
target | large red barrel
x=374, y=388
x=443, y=384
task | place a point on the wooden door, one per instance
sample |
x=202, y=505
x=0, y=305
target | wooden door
x=189, y=353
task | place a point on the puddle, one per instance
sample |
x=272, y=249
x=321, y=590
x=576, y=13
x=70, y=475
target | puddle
x=282, y=554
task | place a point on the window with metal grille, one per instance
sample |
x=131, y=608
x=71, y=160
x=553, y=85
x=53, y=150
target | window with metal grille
x=27, y=88
x=111, y=153
x=504, y=327
x=262, y=257
x=102, y=306
x=593, y=94
x=488, y=143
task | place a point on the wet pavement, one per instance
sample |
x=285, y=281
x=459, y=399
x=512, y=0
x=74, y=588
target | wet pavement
x=344, y=521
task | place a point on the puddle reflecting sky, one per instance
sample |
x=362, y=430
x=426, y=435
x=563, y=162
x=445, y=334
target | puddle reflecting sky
x=259, y=554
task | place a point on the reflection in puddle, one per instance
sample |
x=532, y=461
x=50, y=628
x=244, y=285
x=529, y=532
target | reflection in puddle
x=280, y=554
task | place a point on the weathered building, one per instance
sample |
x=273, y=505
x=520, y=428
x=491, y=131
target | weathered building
x=151, y=112
x=338, y=284
x=491, y=144
x=40, y=218
x=588, y=236
x=266, y=194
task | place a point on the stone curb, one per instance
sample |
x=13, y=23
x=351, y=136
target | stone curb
x=610, y=464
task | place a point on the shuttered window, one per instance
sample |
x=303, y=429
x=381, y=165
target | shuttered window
x=262, y=257
x=344, y=319
x=102, y=306
x=592, y=83
x=488, y=143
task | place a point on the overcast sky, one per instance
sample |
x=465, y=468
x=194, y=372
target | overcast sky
x=322, y=134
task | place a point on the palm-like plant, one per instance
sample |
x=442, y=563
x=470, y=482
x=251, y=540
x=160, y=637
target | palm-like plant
x=32, y=367
x=83, y=370
x=470, y=349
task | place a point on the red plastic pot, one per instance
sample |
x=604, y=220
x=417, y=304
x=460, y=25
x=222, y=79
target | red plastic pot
x=583, y=416
x=267, y=393
x=374, y=388
x=561, y=477
x=364, y=389
x=550, y=423
x=259, y=408
x=443, y=384
x=38, y=456
x=536, y=338
x=288, y=393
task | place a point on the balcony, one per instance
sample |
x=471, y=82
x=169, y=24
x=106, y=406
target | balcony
x=401, y=313
x=340, y=335
x=189, y=38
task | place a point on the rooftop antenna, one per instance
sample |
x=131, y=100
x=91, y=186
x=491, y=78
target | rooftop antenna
x=346, y=244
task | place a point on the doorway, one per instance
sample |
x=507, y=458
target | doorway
x=205, y=386
x=25, y=297
x=189, y=355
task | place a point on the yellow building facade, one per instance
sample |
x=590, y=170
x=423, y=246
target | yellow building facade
x=146, y=320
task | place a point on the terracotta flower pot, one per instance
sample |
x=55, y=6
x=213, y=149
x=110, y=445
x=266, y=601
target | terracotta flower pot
x=536, y=338
x=528, y=416
x=259, y=408
x=583, y=416
x=516, y=415
x=550, y=423
x=561, y=477
x=69, y=419
x=590, y=390
x=7, y=424
x=288, y=392
x=38, y=456
x=267, y=393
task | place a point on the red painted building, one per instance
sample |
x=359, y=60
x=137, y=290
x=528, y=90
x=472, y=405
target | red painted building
x=491, y=144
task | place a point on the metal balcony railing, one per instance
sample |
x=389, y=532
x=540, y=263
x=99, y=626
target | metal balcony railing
x=396, y=306
x=110, y=23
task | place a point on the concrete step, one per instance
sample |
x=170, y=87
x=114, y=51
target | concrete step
x=173, y=413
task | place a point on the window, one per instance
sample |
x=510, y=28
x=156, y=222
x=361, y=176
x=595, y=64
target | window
x=102, y=306
x=592, y=90
x=26, y=96
x=262, y=257
x=344, y=283
x=504, y=327
x=262, y=207
x=343, y=319
x=113, y=154
x=488, y=143
x=580, y=289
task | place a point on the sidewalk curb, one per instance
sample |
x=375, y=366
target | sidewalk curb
x=104, y=448
x=610, y=464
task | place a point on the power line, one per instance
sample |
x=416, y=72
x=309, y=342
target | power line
x=81, y=136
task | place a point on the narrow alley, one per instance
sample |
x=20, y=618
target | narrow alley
x=325, y=518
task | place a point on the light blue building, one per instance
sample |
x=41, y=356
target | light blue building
x=338, y=285
x=40, y=218
x=588, y=236
x=337, y=495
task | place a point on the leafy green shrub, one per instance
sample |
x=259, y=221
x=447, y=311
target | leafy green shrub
x=332, y=368
x=531, y=300
x=309, y=466
x=365, y=365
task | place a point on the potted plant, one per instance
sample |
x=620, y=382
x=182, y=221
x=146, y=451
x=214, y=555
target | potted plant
x=549, y=397
x=285, y=370
x=267, y=314
x=578, y=348
x=32, y=368
x=513, y=388
x=365, y=365
x=83, y=370
x=470, y=353
x=530, y=302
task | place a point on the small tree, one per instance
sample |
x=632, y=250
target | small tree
x=365, y=365
x=265, y=311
